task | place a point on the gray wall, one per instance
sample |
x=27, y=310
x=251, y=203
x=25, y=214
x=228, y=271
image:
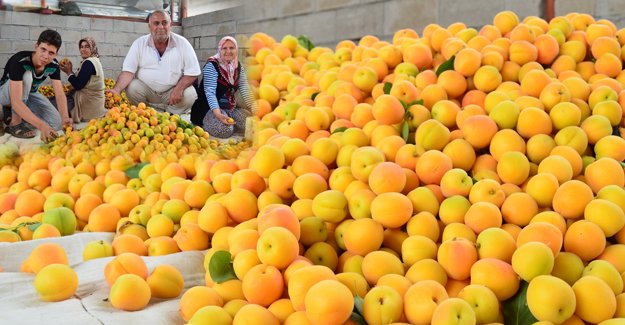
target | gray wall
x=326, y=22
x=613, y=10
x=19, y=31
x=204, y=31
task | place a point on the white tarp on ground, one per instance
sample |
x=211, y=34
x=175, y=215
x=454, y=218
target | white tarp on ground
x=20, y=303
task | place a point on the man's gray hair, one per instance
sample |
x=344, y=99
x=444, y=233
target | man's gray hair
x=159, y=11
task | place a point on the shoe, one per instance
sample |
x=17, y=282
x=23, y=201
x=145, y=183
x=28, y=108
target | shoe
x=21, y=131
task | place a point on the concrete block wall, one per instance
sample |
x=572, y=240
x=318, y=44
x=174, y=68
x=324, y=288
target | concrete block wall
x=326, y=22
x=612, y=10
x=19, y=31
x=204, y=31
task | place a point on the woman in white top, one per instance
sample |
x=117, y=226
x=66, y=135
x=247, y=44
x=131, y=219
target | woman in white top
x=88, y=82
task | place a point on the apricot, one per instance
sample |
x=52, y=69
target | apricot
x=44, y=255
x=123, y=264
x=130, y=292
x=166, y=282
x=56, y=282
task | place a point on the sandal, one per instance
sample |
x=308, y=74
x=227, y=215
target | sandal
x=20, y=131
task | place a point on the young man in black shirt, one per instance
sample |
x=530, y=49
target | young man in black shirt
x=23, y=74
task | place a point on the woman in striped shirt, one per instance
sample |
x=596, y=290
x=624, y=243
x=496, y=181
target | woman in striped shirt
x=216, y=108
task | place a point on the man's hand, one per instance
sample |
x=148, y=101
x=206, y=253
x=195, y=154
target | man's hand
x=47, y=133
x=222, y=117
x=175, y=96
x=67, y=121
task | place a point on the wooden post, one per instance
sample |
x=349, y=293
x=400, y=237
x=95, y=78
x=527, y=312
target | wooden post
x=550, y=9
x=183, y=8
x=171, y=9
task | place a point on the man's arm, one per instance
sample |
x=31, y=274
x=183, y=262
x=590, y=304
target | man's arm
x=129, y=68
x=61, y=101
x=191, y=71
x=186, y=81
x=123, y=80
x=183, y=83
x=20, y=107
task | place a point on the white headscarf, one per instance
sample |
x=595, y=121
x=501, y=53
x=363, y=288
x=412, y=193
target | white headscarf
x=232, y=66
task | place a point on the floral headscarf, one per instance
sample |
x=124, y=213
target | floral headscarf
x=228, y=68
x=92, y=46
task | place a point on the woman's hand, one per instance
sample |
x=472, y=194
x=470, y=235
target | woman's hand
x=113, y=91
x=66, y=66
x=222, y=117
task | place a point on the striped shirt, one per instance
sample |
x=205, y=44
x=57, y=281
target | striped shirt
x=210, y=87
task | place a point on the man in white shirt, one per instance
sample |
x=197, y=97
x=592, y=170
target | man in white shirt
x=160, y=68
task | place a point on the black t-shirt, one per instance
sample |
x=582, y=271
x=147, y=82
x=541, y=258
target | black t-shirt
x=21, y=62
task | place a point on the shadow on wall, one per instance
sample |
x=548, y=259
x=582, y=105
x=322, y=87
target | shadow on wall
x=139, y=4
x=127, y=8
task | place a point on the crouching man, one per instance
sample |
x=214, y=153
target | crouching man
x=23, y=74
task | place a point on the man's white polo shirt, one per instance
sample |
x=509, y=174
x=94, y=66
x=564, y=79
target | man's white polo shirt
x=161, y=72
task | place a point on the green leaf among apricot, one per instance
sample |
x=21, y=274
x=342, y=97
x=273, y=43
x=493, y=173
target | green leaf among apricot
x=220, y=267
x=515, y=309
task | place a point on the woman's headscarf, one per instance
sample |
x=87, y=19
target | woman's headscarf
x=228, y=68
x=92, y=46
